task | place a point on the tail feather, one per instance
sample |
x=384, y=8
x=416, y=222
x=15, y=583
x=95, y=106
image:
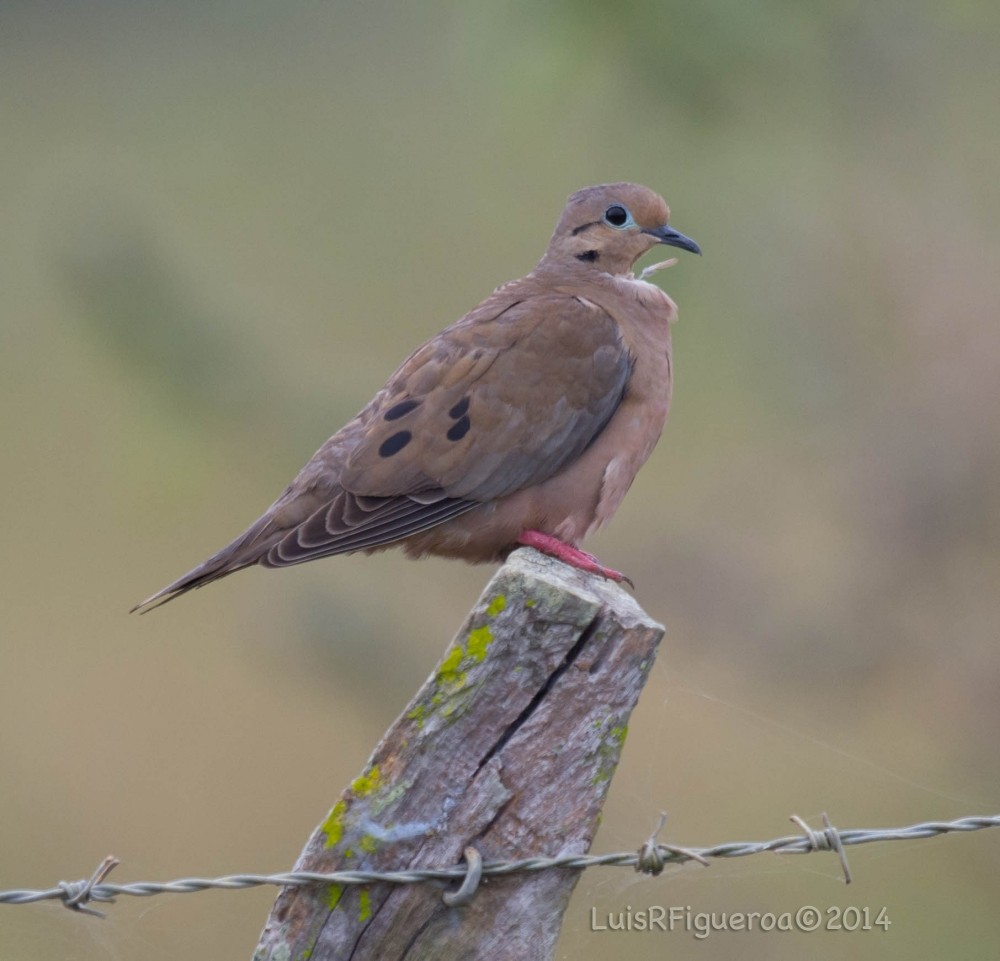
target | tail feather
x=242, y=553
x=203, y=574
x=339, y=523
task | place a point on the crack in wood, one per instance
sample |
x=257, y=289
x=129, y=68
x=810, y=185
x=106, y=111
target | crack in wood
x=561, y=668
x=464, y=759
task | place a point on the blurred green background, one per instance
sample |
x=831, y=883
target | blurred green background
x=224, y=223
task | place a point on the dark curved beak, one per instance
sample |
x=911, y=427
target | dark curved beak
x=673, y=238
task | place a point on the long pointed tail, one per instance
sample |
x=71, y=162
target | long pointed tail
x=212, y=570
x=243, y=552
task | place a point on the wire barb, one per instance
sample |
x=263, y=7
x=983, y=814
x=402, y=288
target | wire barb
x=78, y=894
x=826, y=840
x=650, y=856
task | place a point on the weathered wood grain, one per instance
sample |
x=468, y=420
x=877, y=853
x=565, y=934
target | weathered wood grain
x=510, y=746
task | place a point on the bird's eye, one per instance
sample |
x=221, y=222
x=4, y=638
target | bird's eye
x=617, y=216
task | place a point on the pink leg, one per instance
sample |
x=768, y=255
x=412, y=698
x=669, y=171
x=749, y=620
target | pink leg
x=568, y=554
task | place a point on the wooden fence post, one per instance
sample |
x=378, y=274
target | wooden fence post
x=510, y=747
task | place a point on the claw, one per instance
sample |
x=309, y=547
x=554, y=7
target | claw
x=568, y=554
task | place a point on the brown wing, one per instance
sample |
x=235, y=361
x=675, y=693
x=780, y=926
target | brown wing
x=500, y=401
x=484, y=409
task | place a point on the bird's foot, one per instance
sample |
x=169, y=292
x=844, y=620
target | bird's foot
x=568, y=554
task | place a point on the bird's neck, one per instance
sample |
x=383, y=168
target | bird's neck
x=560, y=269
x=605, y=288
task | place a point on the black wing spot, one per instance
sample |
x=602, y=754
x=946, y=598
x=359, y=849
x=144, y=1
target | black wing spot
x=400, y=410
x=460, y=428
x=460, y=409
x=395, y=443
x=588, y=256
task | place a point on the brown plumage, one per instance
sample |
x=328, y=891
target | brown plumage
x=525, y=422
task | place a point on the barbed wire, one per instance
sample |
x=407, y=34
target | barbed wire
x=651, y=858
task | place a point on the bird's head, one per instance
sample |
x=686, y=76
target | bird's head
x=611, y=226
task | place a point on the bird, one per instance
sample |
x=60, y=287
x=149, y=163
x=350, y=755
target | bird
x=523, y=423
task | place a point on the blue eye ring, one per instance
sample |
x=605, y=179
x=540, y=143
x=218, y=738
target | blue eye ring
x=618, y=217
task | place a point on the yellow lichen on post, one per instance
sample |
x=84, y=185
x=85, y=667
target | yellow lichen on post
x=510, y=746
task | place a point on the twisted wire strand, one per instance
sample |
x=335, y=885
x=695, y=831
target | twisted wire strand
x=650, y=858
